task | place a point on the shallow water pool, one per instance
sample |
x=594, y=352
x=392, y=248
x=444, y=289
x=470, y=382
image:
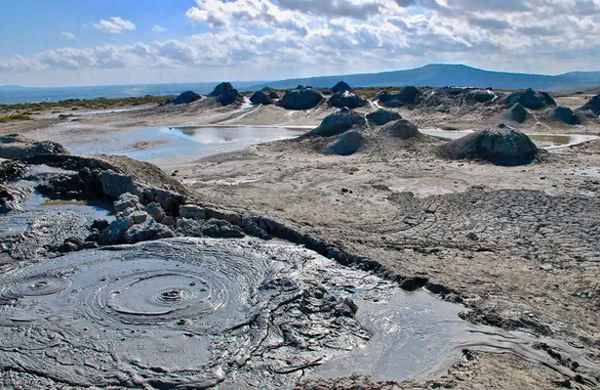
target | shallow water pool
x=170, y=146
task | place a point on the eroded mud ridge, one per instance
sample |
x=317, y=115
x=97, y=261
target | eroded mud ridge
x=196, y=312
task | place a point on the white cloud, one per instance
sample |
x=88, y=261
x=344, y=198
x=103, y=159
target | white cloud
x=67, y=35
x=281, y=38
x=115, y=25
x=158, y=28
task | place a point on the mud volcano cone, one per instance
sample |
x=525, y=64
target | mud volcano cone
x=301, y=98
x=592, y=106
x=338, y=123
x=402, y=129
x=565, y=115
x=261, y=97
x=381, y=117
x=506, y=147
x=186, y=98
x=347, y=143
x=517, y=113
x=531, y=99
x=341, y=86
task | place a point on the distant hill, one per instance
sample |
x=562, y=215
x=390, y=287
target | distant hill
x=439, y=75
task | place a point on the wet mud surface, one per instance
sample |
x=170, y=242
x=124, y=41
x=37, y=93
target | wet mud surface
x=36, y=222
x=194, y=313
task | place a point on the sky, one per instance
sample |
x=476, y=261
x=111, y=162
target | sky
x=92, y=42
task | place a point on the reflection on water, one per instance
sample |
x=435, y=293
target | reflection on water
x=167, y=146
x=546, y=141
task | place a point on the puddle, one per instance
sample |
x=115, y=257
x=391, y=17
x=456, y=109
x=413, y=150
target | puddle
x=169, y=146
x=546, y=141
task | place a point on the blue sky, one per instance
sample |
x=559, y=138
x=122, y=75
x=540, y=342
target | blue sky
x=87, y=42
x=31, y=26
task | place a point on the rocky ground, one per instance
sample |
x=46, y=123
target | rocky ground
x=517, y=246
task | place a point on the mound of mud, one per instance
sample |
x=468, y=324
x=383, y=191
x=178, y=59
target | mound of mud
x=381, y=117
x=346, y=99
x=338, y=123
x=479, y=96
x=505, y=146
x=261, y=97
x=531, y=99
x=11, y=170
x=347, y=143
x=402, y=129
x=186, y=98
x=16, y=147
x=592, y=106
x=407, y=96
x=301, y=98
x=517, y=113
x=225, y=94
x=565, y=115
x=341, y=86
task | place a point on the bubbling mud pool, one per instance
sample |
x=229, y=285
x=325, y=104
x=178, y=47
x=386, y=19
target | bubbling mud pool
x=167, y=146
x=195, y=313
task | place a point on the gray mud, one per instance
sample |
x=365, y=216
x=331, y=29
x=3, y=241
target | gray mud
x=194, y=313
x=38, y=222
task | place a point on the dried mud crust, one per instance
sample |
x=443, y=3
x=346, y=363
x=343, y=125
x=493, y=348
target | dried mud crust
x=519, y=246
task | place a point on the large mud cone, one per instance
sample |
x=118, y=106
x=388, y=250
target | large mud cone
x=186, y=98
x=221, y=89
x=565, y=115
x=506, y=147
x=407, y=96
x=338, y=123
x=16, y=147
x=301, y=98
x=592, y=106
x=260, y=97
x=517, y=113
x=225, y=94
x=347, y=99
x=531, y=99
x=347, y=143
x=341, y=86
x=402, y=129
x=381, y=117
x=479, y=96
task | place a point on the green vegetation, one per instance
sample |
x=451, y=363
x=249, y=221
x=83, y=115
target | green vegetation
x=91, y=104
x=22, y=116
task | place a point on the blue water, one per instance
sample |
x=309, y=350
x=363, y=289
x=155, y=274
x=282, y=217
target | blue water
x=16, y=94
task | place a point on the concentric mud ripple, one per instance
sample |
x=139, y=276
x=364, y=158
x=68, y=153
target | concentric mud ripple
x=132, y=313
x=32, y=286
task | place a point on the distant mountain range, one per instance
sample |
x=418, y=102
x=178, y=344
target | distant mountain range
x=440, y=75
x=435, y=75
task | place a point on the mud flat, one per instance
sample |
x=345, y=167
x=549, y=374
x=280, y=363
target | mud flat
x=418, y=271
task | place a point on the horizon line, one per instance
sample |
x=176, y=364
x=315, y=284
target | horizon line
x=294, y=78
